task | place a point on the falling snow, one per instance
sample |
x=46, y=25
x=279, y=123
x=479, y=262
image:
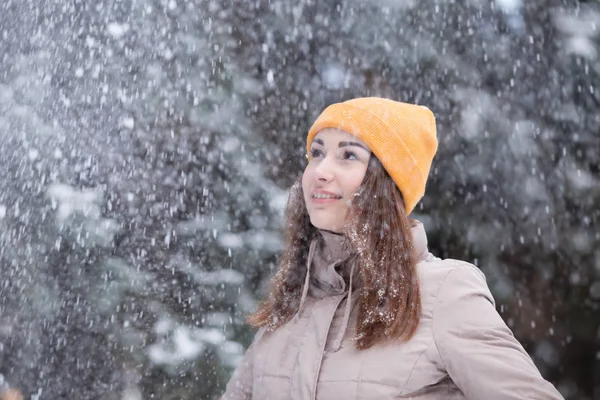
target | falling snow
x=148, y=146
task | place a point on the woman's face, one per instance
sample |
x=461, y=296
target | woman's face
x=337, y=168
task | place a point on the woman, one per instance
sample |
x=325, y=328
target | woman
x=359, y=308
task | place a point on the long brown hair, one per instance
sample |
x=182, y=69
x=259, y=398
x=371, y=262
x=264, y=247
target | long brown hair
x=380, y=233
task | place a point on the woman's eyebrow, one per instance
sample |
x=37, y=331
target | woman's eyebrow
x=319, y=141
x=344, y=144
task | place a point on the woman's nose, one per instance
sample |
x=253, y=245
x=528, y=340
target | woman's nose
x=324, y=171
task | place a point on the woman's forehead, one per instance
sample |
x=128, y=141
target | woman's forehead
x=336, y=135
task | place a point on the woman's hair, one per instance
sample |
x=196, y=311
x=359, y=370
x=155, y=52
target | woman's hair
x=380, y=233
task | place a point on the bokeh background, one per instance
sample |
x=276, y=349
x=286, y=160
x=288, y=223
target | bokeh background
x=146, y=149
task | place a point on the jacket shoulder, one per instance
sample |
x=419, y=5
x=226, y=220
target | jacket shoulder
x=434, y=268
x=433, y=273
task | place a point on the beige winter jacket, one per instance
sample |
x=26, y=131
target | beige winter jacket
x=462, y=348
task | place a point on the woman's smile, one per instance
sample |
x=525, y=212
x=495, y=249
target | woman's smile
x=324, y=197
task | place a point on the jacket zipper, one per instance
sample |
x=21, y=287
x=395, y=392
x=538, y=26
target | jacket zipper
x=318, y=372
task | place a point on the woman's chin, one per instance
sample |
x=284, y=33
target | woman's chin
x=325, y=226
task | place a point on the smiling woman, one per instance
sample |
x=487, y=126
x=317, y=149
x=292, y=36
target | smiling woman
x=337, y=167
x=359, y=308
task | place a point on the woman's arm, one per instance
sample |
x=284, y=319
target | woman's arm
x=479, y=351
x=239, y=386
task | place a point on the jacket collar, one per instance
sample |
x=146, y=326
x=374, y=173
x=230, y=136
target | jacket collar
x=330, y=266
x=331, y=261
x=329, y=270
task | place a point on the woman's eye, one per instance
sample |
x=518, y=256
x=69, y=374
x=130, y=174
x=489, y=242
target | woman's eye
x=348, y=155
x=316, y=153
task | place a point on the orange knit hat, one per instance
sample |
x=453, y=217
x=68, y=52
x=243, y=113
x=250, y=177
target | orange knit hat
x=402, y=136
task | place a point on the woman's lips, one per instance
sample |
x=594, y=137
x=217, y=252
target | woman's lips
x=327, y=200
x=324, y=197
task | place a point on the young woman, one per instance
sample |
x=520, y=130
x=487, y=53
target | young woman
x=359, y=308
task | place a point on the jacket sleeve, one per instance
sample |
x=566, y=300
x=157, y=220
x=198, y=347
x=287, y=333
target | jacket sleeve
x=239, y=386
x=478, y=350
